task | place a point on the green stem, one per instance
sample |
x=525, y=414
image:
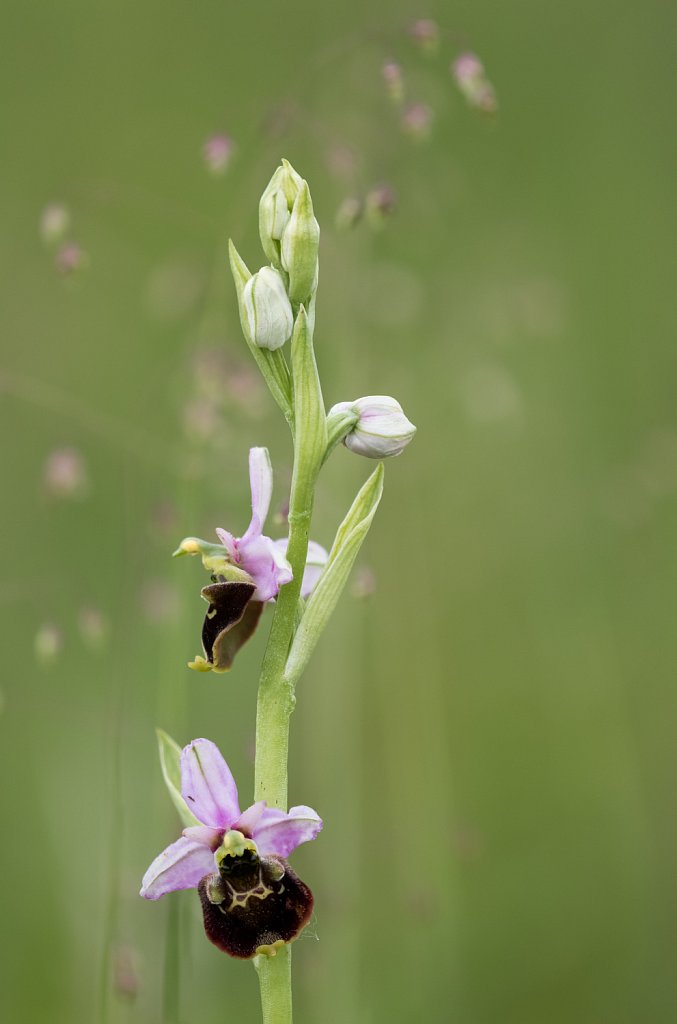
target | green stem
x=276, y=698
x=274, y=707
x=275, y=984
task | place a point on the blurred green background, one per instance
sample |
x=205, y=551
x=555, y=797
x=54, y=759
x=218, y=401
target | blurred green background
x=491, y=736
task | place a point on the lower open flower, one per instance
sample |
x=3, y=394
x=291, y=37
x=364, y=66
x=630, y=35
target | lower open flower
x=252, y=900
x=251, y=904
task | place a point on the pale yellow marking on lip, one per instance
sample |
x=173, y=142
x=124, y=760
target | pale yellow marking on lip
x=270, y=950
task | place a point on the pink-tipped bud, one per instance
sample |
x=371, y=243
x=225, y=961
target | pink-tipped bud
x=380, y=428
x=70, y=258
x=393, y=80
x=417, y=121
x=217, y=153
x=470, y=77
x=379, y=205
x=65, y=474
x=426, y=34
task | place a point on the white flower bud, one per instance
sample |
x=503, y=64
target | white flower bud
x=267, y=308
x=275, y=209
x=381, y=429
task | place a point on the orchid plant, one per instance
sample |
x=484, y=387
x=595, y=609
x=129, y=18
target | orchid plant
x=254, y=905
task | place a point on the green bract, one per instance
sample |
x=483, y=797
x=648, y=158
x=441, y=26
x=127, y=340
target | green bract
x=272, y=365
x=349, y=537
x=170, y=762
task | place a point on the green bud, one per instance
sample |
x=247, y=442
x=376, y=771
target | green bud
x=267, y=309
x=275, y=209
x=299, y=247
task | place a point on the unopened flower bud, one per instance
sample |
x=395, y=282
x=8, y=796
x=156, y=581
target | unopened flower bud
x=417, y=121
x=299, y=247
x=217, y=153
x=65, y=474
x=275, y=208
x=426, y=34
x=268, y=309
x=471, y=78
x=70, y=258
x=379, y=205
x=381, y=429
x=394, y=83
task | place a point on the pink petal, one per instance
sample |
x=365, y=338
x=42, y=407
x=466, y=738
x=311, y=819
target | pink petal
x=180, y=866
x=205, y=836
x=281, y=833
x=207, y=785
x=250, y=818
x=261, y=483
x=316, y=560
x=260, y=558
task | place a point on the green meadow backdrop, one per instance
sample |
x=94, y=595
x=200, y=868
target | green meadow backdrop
x=490, y=734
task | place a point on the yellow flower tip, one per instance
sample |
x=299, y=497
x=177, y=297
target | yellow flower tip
x=200, y=664
x=188, y=546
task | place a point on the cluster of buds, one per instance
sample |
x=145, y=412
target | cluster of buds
x=471, y=78
x=290, y=234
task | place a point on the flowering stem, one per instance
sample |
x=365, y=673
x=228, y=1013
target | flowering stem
x=276, y=697
x=274, y=707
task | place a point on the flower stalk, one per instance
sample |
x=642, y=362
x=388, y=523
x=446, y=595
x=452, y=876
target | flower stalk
x=253, y=903
x=276, y=696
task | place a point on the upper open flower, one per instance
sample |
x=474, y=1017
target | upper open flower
x=254, y=552
x=246, y=572
x=209, y=790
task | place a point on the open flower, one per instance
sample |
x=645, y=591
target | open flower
x=235, y=859
x=254, y=552
x=246, y=572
